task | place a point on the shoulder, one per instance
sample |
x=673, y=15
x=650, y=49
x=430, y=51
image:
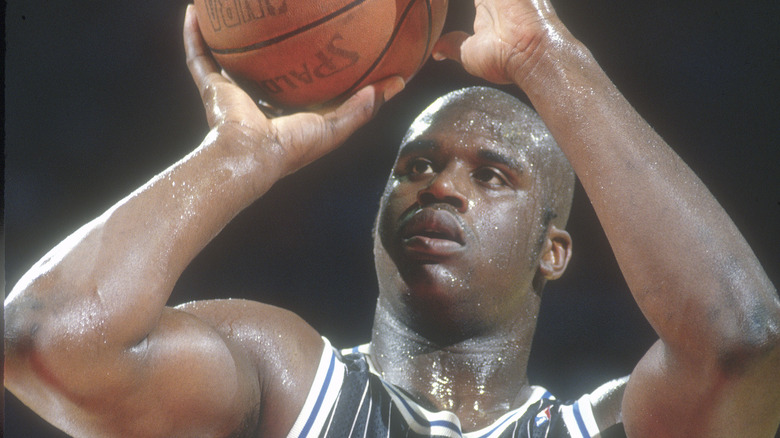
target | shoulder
x=595, y=412
x=590, y=415
x=283, y=350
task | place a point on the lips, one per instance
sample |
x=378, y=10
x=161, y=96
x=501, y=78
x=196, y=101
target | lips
x=432, y=233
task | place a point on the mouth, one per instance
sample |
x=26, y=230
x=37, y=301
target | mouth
x=432, y=234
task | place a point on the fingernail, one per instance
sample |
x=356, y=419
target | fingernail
x=438, y=56
x=394, y=87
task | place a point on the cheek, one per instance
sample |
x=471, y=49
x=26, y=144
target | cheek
x=396, y=199
x=505, y=235
x=391, y=207
x=383, y=220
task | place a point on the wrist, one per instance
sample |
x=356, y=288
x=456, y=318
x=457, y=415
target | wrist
x=554, y=60
x=255, y=157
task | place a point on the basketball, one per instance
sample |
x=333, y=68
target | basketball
x=296, y=54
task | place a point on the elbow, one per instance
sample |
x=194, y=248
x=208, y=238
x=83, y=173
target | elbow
x=24, y=322
x=41, y=351
x=19, y=335
x=35, y=338
x=26, y=311
x=19, y=330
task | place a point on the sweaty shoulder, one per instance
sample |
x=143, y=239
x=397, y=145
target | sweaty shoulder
x=283, y=349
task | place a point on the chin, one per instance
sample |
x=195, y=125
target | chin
x=438, y=285
x=442, y=307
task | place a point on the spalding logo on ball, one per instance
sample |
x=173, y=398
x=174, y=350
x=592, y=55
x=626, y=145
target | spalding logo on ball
x=304, y=53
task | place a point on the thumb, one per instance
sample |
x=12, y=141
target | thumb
x=309, y=136
x=448, y=46
x=360, y=108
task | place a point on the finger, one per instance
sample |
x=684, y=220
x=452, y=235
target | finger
x=361, y=107
x=384, y=90
x=309, y=136
x=448, y=46
x=199, y=60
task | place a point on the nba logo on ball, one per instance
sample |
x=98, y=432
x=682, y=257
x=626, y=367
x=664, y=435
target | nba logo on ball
x=304, y=53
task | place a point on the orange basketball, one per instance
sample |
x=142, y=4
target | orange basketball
x=303, y=53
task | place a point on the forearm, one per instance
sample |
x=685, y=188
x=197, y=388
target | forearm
x=105, y=286
x=691, y=272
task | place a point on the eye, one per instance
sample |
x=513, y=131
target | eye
x=489, y=176
x=419, y=166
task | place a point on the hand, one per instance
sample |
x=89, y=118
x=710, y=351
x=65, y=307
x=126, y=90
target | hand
x=294, y=140
x=508, y=35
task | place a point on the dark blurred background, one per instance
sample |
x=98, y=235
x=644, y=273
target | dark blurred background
x=98, y=100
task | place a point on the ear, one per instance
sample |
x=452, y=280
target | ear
x=555, y=254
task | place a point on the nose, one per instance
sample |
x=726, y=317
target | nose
x=442, y=188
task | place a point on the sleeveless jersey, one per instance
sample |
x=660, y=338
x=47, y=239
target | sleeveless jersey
x=348, y=398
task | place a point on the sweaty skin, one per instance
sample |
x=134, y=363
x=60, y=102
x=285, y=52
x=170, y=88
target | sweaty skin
x=470, y=228
x=89, y=342
x=91, y=346
x=691, y=272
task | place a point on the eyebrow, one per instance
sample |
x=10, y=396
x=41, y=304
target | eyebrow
x=417, y=146
x=420, y=146
x=497, y=157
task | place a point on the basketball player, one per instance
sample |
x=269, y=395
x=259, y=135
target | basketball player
x=470, y=228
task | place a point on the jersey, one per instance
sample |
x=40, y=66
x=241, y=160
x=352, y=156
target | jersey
x=348, y=398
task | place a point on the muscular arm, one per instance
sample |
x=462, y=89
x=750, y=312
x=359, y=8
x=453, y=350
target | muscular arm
x=713, y=372
x=89, y=343
x=691, y=272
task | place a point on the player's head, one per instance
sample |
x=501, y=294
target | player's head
x=473, y=213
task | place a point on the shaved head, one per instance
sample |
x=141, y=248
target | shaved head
x=520, y=126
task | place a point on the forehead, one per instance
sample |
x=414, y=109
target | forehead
x=461, y=128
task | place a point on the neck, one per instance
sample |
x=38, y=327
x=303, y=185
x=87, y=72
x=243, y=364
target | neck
x=479, y=378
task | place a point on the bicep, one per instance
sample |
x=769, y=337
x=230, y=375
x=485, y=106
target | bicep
x=188, y=380
x=670, y=398
x=283, y=348
x=209, y=367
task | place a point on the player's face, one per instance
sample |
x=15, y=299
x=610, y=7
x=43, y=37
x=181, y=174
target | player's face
x=460, y=223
